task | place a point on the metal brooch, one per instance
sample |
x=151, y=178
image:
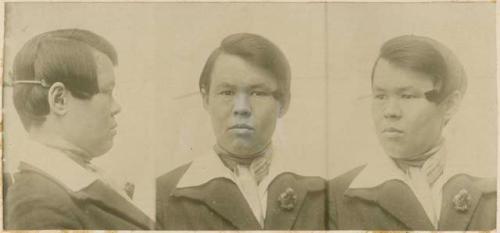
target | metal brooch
x=288, y=199
x=461, y=201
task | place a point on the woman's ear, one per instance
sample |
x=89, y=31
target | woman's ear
x=58, y=99
x=204, y=96
x=283, y=108
x=451, y=104
x=280, y=110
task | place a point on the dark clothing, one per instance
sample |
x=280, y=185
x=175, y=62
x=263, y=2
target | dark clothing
x=393, y=206
x=36, y=201
x=219, y=204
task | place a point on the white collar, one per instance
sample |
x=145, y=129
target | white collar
x=384, y=169
x=58, y=165
x=209, y=166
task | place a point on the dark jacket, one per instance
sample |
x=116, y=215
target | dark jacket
x=219, y=204
x=36, y=201
x=393, y=206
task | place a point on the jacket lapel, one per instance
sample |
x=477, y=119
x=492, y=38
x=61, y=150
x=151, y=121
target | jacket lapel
x=223, y=197
x=104, y=196
x=452, y=218
x=397, y=199
x=279, y=217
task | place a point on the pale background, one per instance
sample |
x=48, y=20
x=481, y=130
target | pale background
x=162, y=49
x=330, y=47
x=356, y=33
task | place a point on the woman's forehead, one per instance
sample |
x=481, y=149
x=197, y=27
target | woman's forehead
x=105, y=71
x=390, y=76
x=233, y=70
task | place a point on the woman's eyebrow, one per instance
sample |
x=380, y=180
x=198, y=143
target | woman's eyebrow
x=261, y=85
x=224, y=85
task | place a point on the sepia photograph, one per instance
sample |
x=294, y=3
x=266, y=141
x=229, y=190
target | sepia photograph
x=249, y=116
x=412, y=88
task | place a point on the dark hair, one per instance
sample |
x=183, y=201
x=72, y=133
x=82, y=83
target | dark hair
x=64, y=56
x=427, y=56
x=258, y=51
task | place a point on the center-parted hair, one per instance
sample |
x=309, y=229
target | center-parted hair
x=427, y=56
x=257, y=51
x=64, y=56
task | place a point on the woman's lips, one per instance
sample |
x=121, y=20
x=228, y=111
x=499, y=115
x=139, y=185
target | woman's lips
x=241, y=128
x=392, y=132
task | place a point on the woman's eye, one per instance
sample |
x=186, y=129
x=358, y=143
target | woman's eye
x=379, y=96
x=226, y=92
x=260, y=93
x=408, y=96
